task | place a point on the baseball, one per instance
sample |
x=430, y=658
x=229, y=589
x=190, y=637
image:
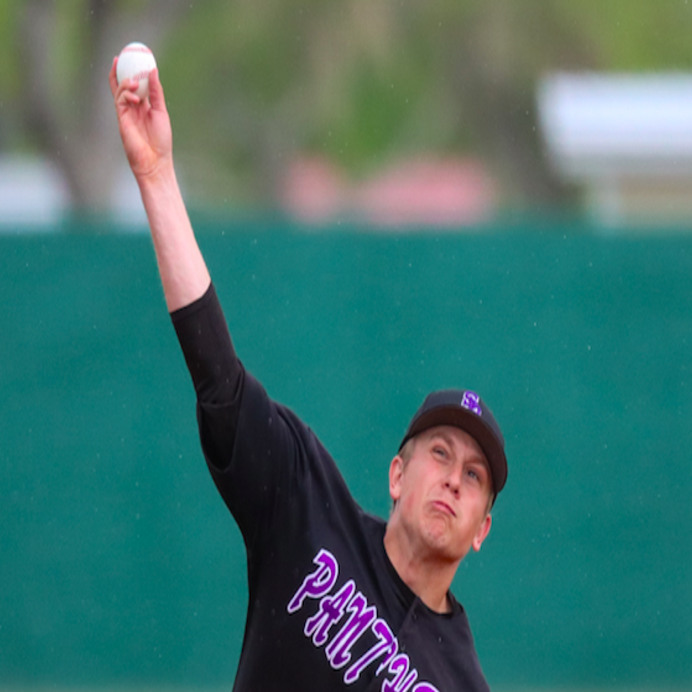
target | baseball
x=136, y=61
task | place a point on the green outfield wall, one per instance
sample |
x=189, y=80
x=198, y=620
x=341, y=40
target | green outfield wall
x=120, y=566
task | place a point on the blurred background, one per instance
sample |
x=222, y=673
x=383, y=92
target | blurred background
x=392, y=197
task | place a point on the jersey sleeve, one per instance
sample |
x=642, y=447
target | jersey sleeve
x=255, y=448
x=217, y=374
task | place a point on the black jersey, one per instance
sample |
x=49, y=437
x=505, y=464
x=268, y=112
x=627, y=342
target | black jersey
x=326, y=609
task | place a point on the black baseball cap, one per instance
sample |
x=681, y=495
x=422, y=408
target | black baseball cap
x=464, y=409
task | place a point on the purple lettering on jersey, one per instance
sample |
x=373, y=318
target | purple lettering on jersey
x=363, y=618
x=330, y=611
x=472, y=402
x=319, y=582
x=339, y=650
x=403, y=679
x=387, y=642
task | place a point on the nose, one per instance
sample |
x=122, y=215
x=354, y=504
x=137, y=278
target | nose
x=453, y=482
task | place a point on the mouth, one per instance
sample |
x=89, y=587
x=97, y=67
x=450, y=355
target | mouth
x=443, y=507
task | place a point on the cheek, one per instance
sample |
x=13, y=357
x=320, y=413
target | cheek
x=409, y=497
x=416, y=484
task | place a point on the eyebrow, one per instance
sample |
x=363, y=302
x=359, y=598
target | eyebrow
x=444, y=436
x=480, y=457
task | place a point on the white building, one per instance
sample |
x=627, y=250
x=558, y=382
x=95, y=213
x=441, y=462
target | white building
x=35, y=197
x=627, y=139
x=33, y=194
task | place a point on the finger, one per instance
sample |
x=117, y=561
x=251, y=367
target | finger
x=127, y=85
x=126, y=96
x=156, y=97
x=119, y=88
x=112, y=77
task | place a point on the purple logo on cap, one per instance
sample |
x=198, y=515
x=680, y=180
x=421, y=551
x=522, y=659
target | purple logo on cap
x=472, y=402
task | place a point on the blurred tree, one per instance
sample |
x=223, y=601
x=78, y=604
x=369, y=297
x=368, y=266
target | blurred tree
x=252, y=83
x=366, y=81
x=64, y=50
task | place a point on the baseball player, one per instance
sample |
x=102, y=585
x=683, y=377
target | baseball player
x=338, y=599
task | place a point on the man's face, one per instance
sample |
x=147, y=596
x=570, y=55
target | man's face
x=442, y=494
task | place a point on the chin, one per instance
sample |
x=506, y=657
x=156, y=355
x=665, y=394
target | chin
x=440, y=544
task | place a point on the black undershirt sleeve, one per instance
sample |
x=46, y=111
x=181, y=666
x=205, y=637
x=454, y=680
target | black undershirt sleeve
x=217, y=374
x=208, y=350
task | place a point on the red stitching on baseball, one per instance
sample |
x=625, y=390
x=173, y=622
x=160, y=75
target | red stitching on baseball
x=137, y=49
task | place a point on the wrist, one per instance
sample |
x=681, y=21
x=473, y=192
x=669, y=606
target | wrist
x=160, y=177
x=161, y=196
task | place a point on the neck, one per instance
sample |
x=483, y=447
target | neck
x=426, y=574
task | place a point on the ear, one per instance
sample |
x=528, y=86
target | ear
x=482, y=533
x=396, y=472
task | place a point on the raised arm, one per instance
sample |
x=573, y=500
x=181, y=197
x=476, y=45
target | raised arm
x=145, y=129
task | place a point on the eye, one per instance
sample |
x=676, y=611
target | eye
x=477, y=473
x=440, y=452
